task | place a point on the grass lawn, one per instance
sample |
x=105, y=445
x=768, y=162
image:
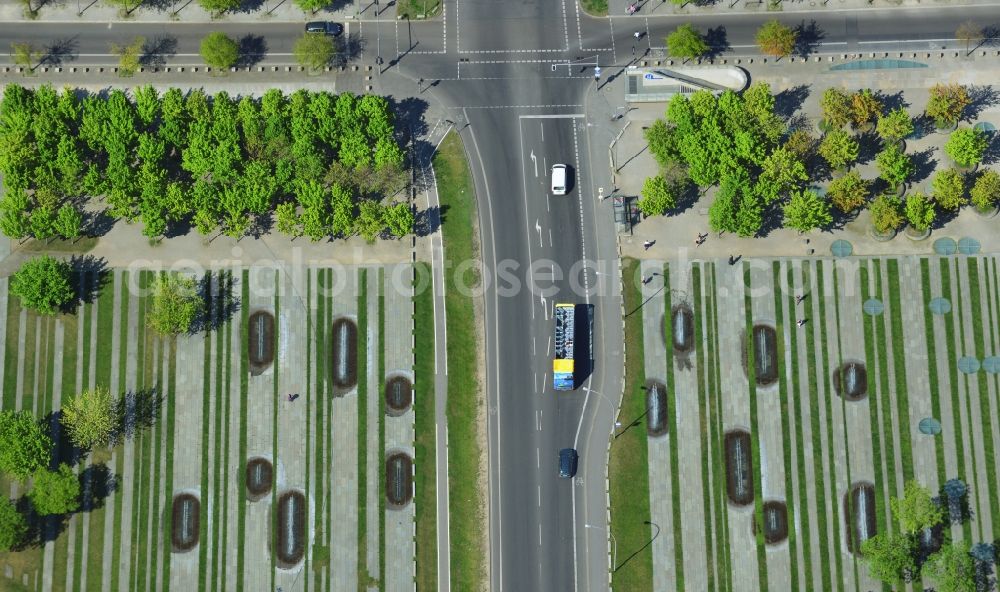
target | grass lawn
x=465, y=393
x=627, y=466
x=595, y=7
x=412, y=9
x=425, y=492
x=81, y=245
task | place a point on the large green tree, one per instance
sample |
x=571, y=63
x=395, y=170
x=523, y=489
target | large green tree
x=916, y=510
x=43, y=284
x=948, y=187
x=891, y=557
x=894, y=166
x=55, y=492
x=657, y=196
x=985, y=192
x=313, y=6
x=314, y=51
x=966, y=146
x=25, y=55
x=90, y=418
x=398, y=219
x=176, y=305
x=886, y=214
x=849, y=192
x=219, y=50
x=951, y=569
x=836, y=105
x=894, y=125
x=947, y=103
x=865, y=108
x=13, y=525
x=839, y=148
x=24, y=445
x=776, y=39
x=920, y=214
x=686, y=42
x=807, y=211
x=781, y=173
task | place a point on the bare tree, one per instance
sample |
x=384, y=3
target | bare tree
x=128, y=56
x=970, y=33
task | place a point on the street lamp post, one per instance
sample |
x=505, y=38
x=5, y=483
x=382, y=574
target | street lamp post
x=614, y=545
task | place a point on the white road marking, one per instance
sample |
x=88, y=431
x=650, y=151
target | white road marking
x=539, y=491
x=538, y=227
x=534, y=160
x=538, y=463
x=541, y=129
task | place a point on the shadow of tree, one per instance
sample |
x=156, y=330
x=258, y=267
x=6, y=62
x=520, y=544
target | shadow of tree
x=982, y=97
x=252, y=49
x=717, y=40
x=869, y=144
x=92, y=274
x=155, y=51
x=428, y=221
x=807, y=39
x=220, y=302
x=63, y=50
x=992, y=154
x=135, y=411
x=349, y=47
x=97, y=482
x=923, y=164
x=891, y=101
x=788, y=101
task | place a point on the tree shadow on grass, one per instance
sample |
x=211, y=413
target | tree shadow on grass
x=136, y=411
x=788, y=101
x=90, y=276
x=220, y=302
x=97, y=482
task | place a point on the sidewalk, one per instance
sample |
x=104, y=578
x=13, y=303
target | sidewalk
x=663, y=8
x=189, y=11
x=675, y=233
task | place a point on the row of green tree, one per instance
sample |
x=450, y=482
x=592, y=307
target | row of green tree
x=737, y=142
x=897, y=557
x=218, y=163
x=780, y=40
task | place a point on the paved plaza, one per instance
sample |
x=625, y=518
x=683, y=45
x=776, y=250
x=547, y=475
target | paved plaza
x=214, y=416
x=810, y=444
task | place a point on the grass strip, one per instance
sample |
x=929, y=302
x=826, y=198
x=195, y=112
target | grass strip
x=899, y=362
x=819, y=475
x=717, y=443
x=785, y=395
x=933, y=380
x=381, y=428
x=675, y=483
x=884, y=402
x=987, y=450
x=313, y=401
x=12, y=351
x=123, y=346
x=758, y=497
x=991, y=282
x=276, y=366
x=881, y=510
x=417, y=9
x=794, y=410
x=206, y=445
x=365, y=578
x=843, y=408
x=465, y=392
x=226, y=363
x=628, y=465
x=955, y=295
x=704, y=417
x=241, y=476
x=425, y=486
x=828, y=406
x=171, y=407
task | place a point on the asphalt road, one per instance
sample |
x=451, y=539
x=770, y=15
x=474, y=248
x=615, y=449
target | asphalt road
x=490, y=64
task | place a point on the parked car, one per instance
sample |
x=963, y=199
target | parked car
x=325, y=27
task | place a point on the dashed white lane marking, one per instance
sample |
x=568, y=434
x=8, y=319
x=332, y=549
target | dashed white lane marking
x=579, y=201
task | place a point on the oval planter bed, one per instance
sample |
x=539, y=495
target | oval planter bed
x=185, y=521
x=682, y=327
x=260, y=342
x=290, y=535
x=260, y=478
x=398, y=479
x=656, y=408
x=859, y=515
x=739, y=467
x=344, y=357
x=916, y=235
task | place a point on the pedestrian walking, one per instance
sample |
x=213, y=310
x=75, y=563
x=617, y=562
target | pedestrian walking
x=646, y=279
x=290, y=397
x=800, y=322
x=637, y=35
x=647, y=244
